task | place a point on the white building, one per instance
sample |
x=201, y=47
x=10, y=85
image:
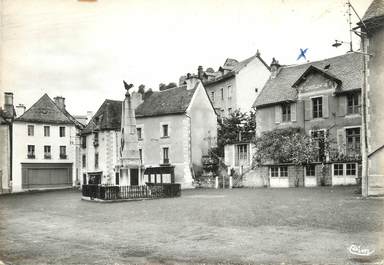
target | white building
x=44, y=147
x=236, y=84
x=175, y=128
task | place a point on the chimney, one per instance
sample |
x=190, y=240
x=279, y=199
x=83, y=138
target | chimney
x=20, y=109
x=60, y=102
x=275, y=66
x=89, y=115
x=200, y=72
x=8, y=103
x=191, y=81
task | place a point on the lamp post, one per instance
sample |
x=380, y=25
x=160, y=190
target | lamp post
x=364, y=142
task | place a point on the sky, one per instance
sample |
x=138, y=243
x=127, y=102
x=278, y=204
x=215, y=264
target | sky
x=83, y=50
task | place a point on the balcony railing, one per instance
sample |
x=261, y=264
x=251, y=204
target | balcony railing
x=31, y=156
x=47, y=156
x=63, y=156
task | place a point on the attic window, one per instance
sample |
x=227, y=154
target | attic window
x=327, y=66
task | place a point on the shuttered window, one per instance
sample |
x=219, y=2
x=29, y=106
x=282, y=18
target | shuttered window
x=286, y=112
x=353, y=104
x=317, y=107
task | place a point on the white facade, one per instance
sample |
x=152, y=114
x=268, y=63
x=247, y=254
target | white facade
x=21, y=140
x=188, y=138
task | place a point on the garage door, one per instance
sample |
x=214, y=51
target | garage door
x=46, y=175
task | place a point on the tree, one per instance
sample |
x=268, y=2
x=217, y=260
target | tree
x=147, y=93
x=238, y=127
x=163, y=86
x=141, y=89
x=291, y=145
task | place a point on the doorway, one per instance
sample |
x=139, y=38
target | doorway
x=134, y=177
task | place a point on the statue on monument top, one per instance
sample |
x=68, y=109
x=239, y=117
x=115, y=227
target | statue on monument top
x=127, y=87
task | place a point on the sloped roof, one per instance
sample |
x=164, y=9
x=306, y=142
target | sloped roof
x=347, y=68
x=46, y=111
x=170, y=101
x=312, y=69
x=375, y=10
x=235, y=68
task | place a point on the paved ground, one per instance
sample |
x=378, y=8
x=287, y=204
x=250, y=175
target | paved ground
x=259, y=226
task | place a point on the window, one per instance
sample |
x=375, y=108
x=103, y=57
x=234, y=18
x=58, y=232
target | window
x=46, y=131
x=31, y=130
x=117, y=178
x=141, y=155
x=139, y=135
x=96, y=160
x=338, y=169
x=317, y=107
x=229, y=91
x=31, y=151
x=353, y=104
x=96, y=139
x=165, y=130
x=47, y=151
x=63, y=152
x=286, y=112
x=281, y=172
x=310, y=170
x=351, y=169
x=213, y=96
x=62, y=131
x=353, y=141
x=84, y=161
x=319, y=137
x=83, y=141
x=241, y=154
x=222, y=93
x=165, y=155
x=274, y=171
x=284, y=171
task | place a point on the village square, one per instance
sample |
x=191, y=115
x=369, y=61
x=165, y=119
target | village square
x=252, y=161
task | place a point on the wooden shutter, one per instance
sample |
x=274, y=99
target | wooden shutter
x=342, y=106
x=325, y=107
x=308, y=109
x=341, y=140
x=293, y=111
x=278, y=114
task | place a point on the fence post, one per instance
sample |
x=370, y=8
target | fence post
x=216, y=182
x=230, y=182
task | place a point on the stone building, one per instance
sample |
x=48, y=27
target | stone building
x=174, y=129
x=324, y=99
x=44, y=147
x=372, y=43
x=7, y=114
